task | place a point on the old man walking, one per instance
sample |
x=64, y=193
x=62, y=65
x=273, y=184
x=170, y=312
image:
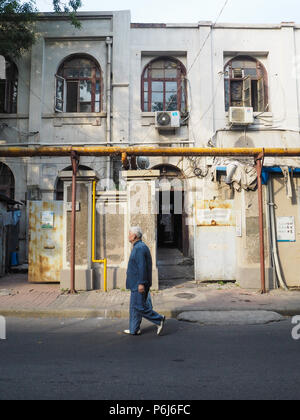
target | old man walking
x=139, y=281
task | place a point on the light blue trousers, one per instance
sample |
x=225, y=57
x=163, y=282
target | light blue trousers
x=141, y=307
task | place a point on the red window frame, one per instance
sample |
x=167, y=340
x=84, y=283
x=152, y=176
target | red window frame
x=260, y=73
x=95, y=67
x=180, y=80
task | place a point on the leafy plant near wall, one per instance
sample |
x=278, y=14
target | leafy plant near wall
x=70, y=7
x=17, y=23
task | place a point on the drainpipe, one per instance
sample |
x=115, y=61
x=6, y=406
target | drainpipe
x=125, y=163
x=273, y=235
x=108, y=99
x=259, y=165
x=75, y=164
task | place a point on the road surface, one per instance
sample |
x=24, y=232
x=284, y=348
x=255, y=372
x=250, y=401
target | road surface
x=92, y=359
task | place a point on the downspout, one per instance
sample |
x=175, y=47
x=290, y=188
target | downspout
x=259, y=166
x=75, y=163
x=108, y=101
x=94, y=260
x=271, y=205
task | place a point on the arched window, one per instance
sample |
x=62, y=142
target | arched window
x=7, y=181
x=164, y=86
x=59, y=189
x=9, y=88
x=246, y=84
x=78, y=85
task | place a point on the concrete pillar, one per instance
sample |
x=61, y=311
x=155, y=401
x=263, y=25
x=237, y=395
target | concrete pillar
x=142, y=210
x=121, y=77
x=288, y=63
x=83, y=251
x=36, y=87
x=248, y=261
x=111, y=239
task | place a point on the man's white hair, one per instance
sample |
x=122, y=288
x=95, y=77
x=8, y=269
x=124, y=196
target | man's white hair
x=137, y=231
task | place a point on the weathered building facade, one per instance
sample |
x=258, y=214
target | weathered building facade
x=109, y=83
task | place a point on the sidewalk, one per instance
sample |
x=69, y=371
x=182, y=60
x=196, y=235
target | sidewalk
x=19, y=298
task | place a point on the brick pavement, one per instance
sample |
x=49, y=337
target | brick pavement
x=17, y=296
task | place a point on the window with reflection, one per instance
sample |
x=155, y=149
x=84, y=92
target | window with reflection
x=8, y=87
x=78, y=85
x=164, y=86
x=246, y=84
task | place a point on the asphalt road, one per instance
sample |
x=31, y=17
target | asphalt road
x=92, y=359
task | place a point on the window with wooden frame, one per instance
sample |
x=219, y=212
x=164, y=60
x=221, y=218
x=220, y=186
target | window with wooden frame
x=9, y=89
x=164, y=86
x=246, y=84
x=78, y=85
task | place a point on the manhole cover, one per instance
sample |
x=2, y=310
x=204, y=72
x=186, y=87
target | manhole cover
x=185, y=296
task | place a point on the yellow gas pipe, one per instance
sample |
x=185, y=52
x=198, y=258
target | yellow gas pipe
x=94, y=242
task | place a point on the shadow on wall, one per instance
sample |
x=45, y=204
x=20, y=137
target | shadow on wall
x=116, y=278
x=244, y=141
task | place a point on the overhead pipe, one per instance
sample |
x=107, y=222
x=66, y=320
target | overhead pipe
x=32, y=151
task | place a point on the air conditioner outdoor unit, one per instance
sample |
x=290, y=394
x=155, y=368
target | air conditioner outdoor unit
x=166, y=120
x=241, y=116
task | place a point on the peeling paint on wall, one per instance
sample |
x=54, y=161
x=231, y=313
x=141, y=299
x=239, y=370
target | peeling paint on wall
x=215, y=213
x=45, y=245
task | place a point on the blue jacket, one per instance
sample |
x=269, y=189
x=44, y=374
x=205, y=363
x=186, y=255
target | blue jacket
x=139, y=267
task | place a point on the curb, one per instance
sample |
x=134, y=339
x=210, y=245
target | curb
x=123, y=314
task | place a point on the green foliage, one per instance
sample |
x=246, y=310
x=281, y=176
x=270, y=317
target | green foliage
x=69, y=8
x=18, y=19
x=16, y=26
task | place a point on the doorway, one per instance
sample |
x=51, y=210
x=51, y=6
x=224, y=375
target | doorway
x=172, y=231
x=169, y=224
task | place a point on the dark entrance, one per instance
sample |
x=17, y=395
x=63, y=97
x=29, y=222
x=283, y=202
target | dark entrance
x=172, y=230
x=174, y=266
x=169, y=225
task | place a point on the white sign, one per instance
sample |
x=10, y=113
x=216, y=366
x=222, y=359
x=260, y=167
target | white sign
x=69, y=206
x=286, y=231
x=219, y=216
x=2, y=68
x=47, y=220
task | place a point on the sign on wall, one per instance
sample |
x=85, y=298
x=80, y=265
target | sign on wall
x=215, y=213
x=47, y=220
x=286, y=230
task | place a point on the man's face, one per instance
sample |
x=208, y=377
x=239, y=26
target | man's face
x=132, y=237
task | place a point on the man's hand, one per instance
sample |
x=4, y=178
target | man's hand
x=141, y=288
